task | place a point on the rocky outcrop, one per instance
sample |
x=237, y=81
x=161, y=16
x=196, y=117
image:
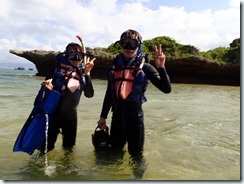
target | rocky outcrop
x=198, y=70
x=43, y=60
x=194, y=70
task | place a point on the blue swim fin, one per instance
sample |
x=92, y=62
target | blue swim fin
x=32, y=134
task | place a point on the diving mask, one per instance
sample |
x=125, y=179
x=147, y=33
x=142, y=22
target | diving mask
x=129, y=44
x=75, y=55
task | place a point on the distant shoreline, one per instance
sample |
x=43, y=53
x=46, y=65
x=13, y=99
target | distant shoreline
x=14, y=65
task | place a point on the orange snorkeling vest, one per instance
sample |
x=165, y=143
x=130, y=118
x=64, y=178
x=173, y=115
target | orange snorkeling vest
x=129, y=82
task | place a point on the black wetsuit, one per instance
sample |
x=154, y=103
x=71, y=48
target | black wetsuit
x=127, y=119
x=65, y=115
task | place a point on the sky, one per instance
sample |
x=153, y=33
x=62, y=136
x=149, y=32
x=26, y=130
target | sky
x=52, y=24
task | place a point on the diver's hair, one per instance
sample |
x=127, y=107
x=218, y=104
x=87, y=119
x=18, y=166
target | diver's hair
x=73, y=45
x=131, y=34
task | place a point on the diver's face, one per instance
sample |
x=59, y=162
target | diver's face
x=75, y=63
x=129, y=53
x=75, y=56
x=129, y=47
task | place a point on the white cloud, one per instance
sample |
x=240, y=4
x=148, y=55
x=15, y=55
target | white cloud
x=5, y=8
x=235, y=3
x=50, y=25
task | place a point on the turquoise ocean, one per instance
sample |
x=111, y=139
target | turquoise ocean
x=192, y=133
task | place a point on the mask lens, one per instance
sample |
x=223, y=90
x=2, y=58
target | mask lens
x=134, y=43
x=130, y=44
x=71, y=53
x=75, y=55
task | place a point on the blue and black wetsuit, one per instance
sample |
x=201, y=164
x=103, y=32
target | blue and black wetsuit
x=127, y=119
x=65, y=115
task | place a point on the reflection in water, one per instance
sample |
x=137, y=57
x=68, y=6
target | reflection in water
x=139, y=166
x=63, y=165
x=60, y=167
x=114, y=158
x=109, y=156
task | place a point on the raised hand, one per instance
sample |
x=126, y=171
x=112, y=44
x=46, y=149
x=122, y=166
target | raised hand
x=89, y=65
x=160, y=57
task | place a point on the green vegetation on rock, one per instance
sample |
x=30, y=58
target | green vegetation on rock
x=175, y=50
x=229, y=55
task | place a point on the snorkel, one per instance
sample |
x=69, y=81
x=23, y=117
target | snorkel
x=83, y=47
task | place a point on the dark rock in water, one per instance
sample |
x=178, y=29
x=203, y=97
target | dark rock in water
x=20, y=68
x=192, y=70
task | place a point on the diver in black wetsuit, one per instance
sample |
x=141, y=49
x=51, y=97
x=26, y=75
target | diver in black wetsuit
x=70, y=77
x=127, y=82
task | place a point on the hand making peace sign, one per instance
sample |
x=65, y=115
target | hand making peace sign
x=160, y=57
x=88, y=65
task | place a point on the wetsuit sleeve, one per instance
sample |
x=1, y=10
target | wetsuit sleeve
x=107, y=102
x=88, y=88
x=158, y=77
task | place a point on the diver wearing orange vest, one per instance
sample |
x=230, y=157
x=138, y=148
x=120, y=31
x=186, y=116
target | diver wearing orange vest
x=127, y=83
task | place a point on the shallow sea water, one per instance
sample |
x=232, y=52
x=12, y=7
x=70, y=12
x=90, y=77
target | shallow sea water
x=192, y=133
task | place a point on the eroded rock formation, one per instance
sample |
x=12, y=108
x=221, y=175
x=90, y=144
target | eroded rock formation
x=194, y=70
